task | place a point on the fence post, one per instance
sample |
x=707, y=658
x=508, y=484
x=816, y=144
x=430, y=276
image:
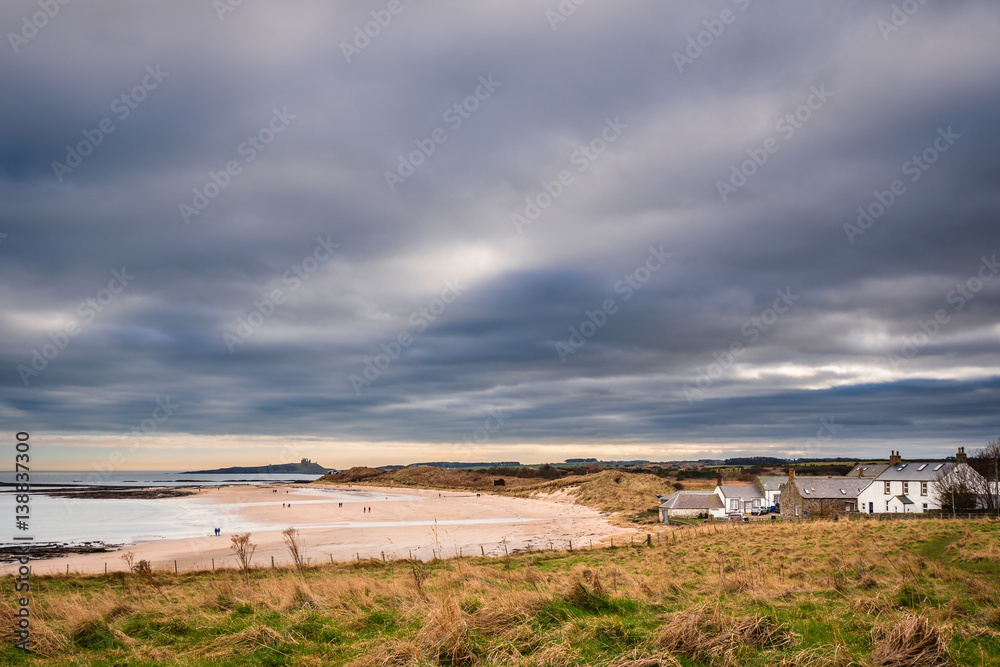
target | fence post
x=481, y=550
x=175, y=566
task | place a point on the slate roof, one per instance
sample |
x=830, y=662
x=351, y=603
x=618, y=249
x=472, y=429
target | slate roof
x=745, y=491
x=772, y=482
x=831, y=487
x=871, y=469
x=904, y=500
x=921, y=471
x=691, y=500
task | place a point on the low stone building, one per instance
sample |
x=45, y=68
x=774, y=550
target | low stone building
x=691, y=505
x=820, y=496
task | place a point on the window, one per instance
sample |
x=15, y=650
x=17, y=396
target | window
x=923, y=490
x=887, y=504
x=734, y=503
x=888, y=488
x=906, y=488
x=925, y=507
x=796, y=509
x=756, y=502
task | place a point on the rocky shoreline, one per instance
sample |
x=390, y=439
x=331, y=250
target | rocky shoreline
x=9, y=554
x=109, y=492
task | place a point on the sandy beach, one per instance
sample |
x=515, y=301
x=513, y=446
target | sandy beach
x=402, y=522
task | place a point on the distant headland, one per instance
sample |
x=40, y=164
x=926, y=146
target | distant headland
x=304, y=467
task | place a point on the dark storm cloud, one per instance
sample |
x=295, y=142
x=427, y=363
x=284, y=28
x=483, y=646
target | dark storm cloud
x=537, y=162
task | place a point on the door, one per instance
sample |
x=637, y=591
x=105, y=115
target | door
x=871, y=508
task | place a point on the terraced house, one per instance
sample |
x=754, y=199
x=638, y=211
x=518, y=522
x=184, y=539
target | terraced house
x=804, y=497
x=914, y=486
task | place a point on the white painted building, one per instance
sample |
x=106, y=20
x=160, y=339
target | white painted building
x=740, y=496
x=911, y=486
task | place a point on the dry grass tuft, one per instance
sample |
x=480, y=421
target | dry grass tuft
x=445, y=633
x=820, y=656
x=707, y=634
x=657, y=660
x=912, y=642
x=403, y=653
x=44, y=641
x=249, y=640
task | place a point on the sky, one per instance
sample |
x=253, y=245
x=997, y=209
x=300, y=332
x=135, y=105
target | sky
x=239, y=233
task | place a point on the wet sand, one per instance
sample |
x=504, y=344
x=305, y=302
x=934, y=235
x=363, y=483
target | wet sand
x=402, y=523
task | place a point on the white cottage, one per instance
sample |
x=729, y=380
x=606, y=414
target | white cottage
x=691, y=505
x=740, y=496
x=911, y=486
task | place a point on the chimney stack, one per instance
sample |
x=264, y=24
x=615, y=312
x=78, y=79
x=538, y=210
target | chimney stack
x=895, y=458
x=960, y=457
x=791, y=473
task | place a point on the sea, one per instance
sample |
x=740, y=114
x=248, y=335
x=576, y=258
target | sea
x=131, y=520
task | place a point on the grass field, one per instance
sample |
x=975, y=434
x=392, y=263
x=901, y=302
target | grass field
x=819, y=594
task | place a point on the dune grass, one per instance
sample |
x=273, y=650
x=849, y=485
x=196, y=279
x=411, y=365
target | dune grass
x=823, y=594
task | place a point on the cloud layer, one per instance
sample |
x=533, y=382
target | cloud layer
x=663, y=230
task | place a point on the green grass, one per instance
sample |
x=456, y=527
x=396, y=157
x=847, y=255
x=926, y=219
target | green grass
x=758, y=595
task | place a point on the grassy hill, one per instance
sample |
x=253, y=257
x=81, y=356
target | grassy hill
x=823, y=594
